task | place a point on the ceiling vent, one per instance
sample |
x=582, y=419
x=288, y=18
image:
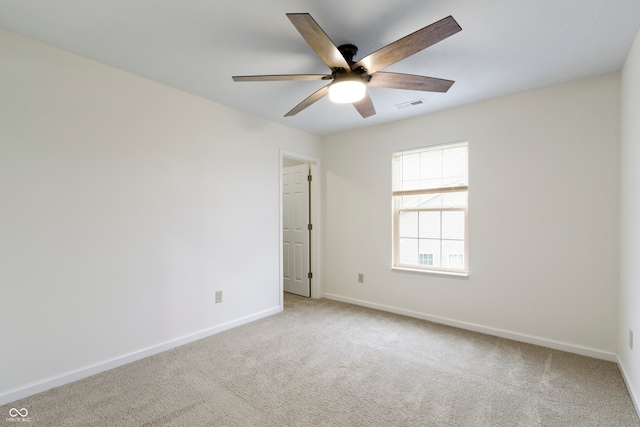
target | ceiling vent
x=413, y=103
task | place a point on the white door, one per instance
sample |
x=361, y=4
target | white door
x=295, y=230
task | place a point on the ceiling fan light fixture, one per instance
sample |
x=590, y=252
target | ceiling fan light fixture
x=347, y=89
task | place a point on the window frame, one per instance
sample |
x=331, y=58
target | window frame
x=396, y=264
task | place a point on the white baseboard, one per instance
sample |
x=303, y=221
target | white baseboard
x=627, y=382
x=530, y=339
x=87, y=371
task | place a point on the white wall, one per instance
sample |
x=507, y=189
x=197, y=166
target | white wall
x=124, y=206
x=630, y=222
x=543, y=217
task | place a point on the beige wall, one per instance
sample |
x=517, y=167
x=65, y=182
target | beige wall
x=630, y=222
x=543, y=217
x=125, y=205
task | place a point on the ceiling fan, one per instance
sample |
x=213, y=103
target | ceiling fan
x=350, y=78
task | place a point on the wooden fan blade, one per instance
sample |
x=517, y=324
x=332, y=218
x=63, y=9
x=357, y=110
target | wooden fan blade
x=365, y=106
x=410, y=82
x=407, y=46
x=281, y=77
x=317, y=95
x=318, y=40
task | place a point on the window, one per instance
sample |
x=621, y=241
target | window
x=425, y=259
x=456, y=261
x=430, y=191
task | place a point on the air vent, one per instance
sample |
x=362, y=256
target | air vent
x=413, y=103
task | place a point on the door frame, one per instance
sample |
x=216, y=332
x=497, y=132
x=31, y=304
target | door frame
x=314, y=246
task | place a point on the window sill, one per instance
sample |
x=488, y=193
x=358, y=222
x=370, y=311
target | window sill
x=431, y=272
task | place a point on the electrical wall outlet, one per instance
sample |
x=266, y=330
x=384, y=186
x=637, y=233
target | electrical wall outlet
x=630, y=339
x=218, y=297
x=360, y=277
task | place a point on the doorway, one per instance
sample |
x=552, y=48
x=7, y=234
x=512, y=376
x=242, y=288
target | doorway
x=296, y=228
x=296, y=225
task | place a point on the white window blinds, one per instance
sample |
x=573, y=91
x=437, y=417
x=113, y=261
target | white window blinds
x=439, y=167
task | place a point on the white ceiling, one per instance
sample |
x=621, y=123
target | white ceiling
x=505, y=47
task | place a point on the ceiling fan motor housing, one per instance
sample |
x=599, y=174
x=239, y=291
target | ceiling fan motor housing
x=348, y=51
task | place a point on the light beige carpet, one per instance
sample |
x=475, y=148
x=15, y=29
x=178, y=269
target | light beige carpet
x=325, y=363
